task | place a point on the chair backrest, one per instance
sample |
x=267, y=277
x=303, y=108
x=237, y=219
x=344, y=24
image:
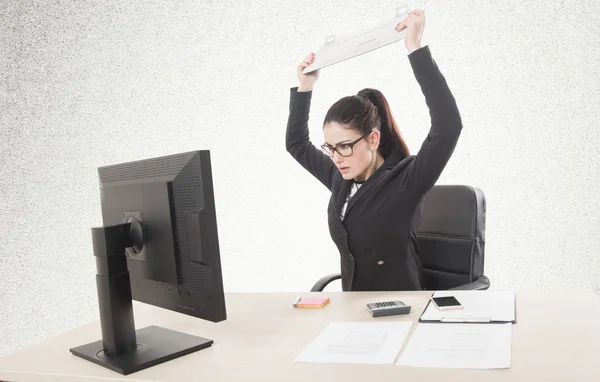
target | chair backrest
x=451, y=236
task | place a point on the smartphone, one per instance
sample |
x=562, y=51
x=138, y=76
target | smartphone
x=447, y=303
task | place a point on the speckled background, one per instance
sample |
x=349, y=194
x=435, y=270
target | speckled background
x=84, y=84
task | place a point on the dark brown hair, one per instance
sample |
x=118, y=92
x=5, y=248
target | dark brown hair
x=365, y=111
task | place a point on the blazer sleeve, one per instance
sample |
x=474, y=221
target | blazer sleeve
x=446, y=123
x=297, y=140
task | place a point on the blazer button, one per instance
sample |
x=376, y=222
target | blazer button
x=344, y=232
x=350, y=256
x=380, y=262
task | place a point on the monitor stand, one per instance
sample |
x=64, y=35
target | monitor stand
x=123, y=348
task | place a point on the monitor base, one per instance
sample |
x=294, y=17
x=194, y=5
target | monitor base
x=155, y=345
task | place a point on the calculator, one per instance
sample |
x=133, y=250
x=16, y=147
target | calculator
x=388, y=308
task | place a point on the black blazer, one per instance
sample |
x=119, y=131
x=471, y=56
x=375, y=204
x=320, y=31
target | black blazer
x=377, y=239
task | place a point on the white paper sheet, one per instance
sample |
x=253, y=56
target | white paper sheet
x=357, y=342
x=491, y=305
x=462, y=346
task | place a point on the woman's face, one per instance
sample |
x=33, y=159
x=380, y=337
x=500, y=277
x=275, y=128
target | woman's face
x=362, y=152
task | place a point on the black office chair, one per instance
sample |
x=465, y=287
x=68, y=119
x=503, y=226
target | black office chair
x=451, y=239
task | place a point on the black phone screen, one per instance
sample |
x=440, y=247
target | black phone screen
x=445, y=301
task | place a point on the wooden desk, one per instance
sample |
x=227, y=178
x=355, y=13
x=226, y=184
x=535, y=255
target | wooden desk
x=556, y=338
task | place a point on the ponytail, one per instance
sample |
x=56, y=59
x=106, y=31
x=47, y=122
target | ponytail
x=366, y=111
x=390, y=133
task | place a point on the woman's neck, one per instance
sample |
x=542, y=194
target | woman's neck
x=373, y=167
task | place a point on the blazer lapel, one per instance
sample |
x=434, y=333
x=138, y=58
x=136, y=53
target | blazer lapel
x=367, y=185
x=388, y=165
x=341, y=196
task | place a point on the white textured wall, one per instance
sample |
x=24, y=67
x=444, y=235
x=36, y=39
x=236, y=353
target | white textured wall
x=88, y=84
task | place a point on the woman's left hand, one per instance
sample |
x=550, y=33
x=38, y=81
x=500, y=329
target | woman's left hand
x=414, y=23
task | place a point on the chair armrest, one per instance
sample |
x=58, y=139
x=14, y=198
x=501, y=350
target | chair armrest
x=323, y=281
x=482, y=283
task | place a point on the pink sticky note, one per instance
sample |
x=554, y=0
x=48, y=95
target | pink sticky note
x=314, y=302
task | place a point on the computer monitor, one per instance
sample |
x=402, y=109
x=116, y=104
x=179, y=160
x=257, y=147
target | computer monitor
x=158, y=245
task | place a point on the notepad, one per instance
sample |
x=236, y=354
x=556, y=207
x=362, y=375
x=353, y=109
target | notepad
x=479, y=306
x=318, y=302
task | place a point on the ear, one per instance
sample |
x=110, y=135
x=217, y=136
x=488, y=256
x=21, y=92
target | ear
x=374, y=139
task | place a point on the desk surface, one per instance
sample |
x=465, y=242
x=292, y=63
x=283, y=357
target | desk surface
x=556, y=338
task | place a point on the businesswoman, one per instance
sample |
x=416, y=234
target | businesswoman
x=376, y=185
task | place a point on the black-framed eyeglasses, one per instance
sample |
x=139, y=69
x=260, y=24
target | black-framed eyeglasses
x=344, y=149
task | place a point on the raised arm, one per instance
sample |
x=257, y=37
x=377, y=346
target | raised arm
x=297, y=140
x=446, y=123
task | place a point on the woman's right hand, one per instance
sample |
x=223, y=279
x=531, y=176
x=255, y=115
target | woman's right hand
x=307, y=81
